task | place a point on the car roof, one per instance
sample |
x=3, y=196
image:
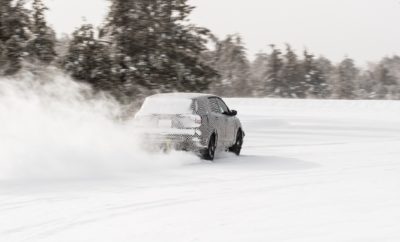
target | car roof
x=186, y=95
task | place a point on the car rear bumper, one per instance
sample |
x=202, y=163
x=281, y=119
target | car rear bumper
x=173, y=139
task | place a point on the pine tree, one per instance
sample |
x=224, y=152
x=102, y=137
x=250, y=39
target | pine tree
x=291, y=81
x=2, y=56
x=155, y=48
x=242, y=68
x=15, y=28
x=231, y=62
x=273, y=75
x=388, y=76
x=257, y=73
x=386, y=82
x=88, y=59
x=3, y=10
x=345, y=83
x=327, y=70
x=315, y=83
x=14, y=53
x=367, y=86
x=385, y=77
x=41, y=47
x=5, y=30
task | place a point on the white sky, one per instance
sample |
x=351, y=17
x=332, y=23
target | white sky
x=365, y=30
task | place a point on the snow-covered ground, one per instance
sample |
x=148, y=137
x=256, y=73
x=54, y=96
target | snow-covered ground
x=310, y=171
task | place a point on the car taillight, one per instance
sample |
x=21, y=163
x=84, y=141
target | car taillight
x=197, y=120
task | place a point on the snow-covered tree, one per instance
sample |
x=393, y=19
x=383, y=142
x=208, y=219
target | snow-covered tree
x=231, y=62
x=385, y=84
x=291, y=82
x=273, y=82
x=3, y=60
x=345, y=79
x=42, y=46
x=88, y=59
x=367, y=86
x=257, y=74
x=314, y=80
x=327, y=70
x=155, y=47
x=14, y=53
x=15, y=31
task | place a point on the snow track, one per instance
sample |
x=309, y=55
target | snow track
x=310, y=171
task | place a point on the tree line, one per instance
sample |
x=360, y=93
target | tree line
x=283, y=73
x=148, y=46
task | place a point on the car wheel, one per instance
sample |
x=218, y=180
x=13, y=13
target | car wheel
x=209, y=153
x=237, y=147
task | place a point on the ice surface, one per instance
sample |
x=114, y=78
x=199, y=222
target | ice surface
x=311, y=171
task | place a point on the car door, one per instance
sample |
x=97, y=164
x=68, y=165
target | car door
x=217, y=120
x=229, y=123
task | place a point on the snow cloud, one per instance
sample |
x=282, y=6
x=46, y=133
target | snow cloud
x=54, y=128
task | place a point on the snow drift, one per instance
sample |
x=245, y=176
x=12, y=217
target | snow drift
x=53, y=127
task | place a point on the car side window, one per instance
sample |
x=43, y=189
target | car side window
x=223, y=107
x=214, y=106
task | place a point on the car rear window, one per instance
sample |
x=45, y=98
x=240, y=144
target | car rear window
x=166, y=106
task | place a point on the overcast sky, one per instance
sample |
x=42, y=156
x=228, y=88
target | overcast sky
x=362, y=29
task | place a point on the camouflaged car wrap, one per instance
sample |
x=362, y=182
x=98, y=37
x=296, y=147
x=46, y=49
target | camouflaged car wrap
x=213, y=121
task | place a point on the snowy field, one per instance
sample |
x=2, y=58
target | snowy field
x=310, y=171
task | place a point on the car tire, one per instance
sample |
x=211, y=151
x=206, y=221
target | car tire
x=237, y=147
x=209, y=153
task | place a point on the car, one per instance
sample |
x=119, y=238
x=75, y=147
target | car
x=200, y=123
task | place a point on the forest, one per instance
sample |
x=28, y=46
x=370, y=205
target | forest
x=149, y=46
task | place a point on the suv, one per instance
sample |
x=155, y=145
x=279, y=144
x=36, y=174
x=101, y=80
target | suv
x=199, y=123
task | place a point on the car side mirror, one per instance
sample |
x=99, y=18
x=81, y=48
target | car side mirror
x=233, y=113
